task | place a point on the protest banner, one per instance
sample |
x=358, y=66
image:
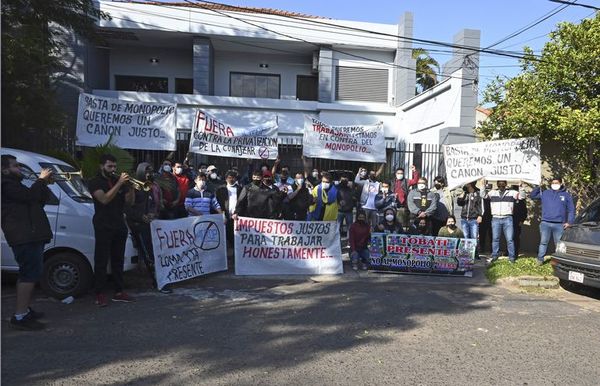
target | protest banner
x=274, y=247
x=188, y=247
x=212, y=136
x=129, y=124
x=422, y=254
x=350, y=143
x=511, y=160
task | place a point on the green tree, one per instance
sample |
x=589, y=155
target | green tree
x=556, y=98
x=31, y=50
x=427, y=70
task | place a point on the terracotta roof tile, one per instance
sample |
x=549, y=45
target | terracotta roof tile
x=225, y=7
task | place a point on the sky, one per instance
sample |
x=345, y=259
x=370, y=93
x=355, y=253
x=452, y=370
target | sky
x=440, y=19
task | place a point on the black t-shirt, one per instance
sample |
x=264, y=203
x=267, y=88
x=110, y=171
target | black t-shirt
x=111, y=214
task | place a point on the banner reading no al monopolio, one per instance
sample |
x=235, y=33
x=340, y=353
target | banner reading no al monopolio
x=422, y=254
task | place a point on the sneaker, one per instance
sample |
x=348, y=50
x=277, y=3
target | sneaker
x=28, y=323
x=122, y=297
x=364, y=267
x=35, y=314
x=492, y=259
x=355, y=267
x=165, y=291
x=101, y=300
x=540, y=262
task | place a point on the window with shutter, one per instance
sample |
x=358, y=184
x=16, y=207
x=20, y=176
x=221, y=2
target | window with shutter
x=361, y=84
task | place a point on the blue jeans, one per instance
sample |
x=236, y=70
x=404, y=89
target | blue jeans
x=470, y=228
x=344, y=216
x=546, y=230
x=503, y=225
x=362, y=255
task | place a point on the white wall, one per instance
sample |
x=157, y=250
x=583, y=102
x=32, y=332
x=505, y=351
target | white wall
x=173, y=63
x=287, y=66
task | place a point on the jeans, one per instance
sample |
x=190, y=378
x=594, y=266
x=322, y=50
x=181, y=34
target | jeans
x=470, y=228
x=547, y=229
x=110, y=245
x=372, y=217
x=344, y=216
x=362, y=255
x=502, y=225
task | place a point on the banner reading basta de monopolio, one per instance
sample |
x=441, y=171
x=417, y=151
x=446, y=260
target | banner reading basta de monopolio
x=128, y=124
x=188, y=247
x=212, y=136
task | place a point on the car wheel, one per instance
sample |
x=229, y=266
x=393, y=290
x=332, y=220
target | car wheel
x=66, y=274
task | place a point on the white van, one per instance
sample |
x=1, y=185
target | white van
x=69, y=257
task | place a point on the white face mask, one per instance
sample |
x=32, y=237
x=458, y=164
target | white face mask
x=213, y=176
x=325, y=185
x=178, y=170
x=300, y=181
x=336, y=183
x=389, y=217
x=400, y=176
x=421, y=186
x=384, y=190
x=555, y=186
x=315, y=174
x=167, y=168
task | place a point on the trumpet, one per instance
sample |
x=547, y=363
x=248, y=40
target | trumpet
x=56, y=176
x=136, y=184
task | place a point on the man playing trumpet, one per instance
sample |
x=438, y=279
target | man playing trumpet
x=110, y=194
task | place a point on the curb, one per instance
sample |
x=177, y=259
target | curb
x=547, y=282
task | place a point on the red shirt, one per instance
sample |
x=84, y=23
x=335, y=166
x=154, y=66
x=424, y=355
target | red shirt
x=360, y=236
x=183, y=185
x=399, y=188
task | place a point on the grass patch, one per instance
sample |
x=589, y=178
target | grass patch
x=524, y=266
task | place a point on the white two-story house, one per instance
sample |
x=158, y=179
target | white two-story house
x=250, y=66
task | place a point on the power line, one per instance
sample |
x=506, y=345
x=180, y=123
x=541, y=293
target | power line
x=573, y=3
x=530, y=25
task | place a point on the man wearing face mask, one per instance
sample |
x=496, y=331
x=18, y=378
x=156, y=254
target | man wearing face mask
x=502, y=203
x=259, y=199
x=385, y=199
x=345, y=200
x=201, y=201
x=284, y=177
x=183, y=186
x=445, y=206
x=422, y=202
x=369, y=187
x=401, y=186
x=325, y=207
x=213, y=180
x=558, y=213
x=170, y=193
x=299, y=200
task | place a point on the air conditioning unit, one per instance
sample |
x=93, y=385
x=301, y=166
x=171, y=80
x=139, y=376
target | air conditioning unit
x=315, y=62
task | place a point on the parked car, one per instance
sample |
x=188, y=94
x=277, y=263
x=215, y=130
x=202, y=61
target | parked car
x=577, y=256
x=69, y=257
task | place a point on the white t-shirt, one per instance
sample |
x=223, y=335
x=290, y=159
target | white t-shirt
x=373, y=190
x=232, y=190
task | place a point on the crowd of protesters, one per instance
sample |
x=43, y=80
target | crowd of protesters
x=406, y=205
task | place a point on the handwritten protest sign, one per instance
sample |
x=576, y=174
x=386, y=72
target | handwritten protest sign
x=188, y=247
x=130, y=125
x=511, y=159
x=212, y=136
x=271, y=247
x=422, y=254
x=351, y=143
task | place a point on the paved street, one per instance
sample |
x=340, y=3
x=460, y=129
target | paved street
x=361, y=328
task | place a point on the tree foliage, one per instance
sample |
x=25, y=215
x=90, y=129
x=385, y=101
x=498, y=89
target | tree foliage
x=31, y=50
x=556, y=98
x=427, y=70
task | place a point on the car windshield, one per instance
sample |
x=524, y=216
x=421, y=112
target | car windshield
x=70, y=181
x=590, y=214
